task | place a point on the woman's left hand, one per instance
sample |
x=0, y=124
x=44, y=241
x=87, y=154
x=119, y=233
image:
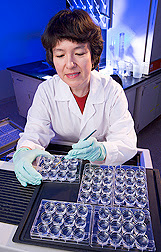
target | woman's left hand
x=89, y=149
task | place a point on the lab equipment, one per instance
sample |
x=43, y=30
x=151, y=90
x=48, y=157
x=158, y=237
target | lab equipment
x=9, y=135
x=119, y=228
x=122, y=186
x=100, y=11
x=66, y=228
x=97, y=227
x=57, y=168
x=90, y=135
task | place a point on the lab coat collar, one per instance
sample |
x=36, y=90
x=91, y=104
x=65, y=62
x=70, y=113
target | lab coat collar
x=62, y=91
x=64, y=94
x=96, y=88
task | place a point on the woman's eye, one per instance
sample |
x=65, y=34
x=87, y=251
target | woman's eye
x=80, y=54
x=60, y=56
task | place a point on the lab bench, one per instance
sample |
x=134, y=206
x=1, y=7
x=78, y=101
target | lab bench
x=144, y=94
x=17, y=237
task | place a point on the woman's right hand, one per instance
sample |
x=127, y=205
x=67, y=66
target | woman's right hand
x=24, y=170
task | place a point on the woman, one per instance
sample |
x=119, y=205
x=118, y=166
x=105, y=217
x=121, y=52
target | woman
x=76, y=101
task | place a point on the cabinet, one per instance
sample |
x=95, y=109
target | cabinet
x=25, y=88
x=147, y=102
x=158, y=106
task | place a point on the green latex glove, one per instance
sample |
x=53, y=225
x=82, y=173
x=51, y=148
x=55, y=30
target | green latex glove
x=24, y=170
x=88, y=149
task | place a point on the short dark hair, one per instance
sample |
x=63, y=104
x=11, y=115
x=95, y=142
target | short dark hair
x=76, y=26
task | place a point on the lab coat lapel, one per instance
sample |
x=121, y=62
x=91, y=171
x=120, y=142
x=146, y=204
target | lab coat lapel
x=88, y=113
x=63, y=93
x=74, y=108
x=96, y=96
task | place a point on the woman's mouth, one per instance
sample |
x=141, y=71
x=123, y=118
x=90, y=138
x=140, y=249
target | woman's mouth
x=72, y=75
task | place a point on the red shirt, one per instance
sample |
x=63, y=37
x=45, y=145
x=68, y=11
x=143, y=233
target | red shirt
x=81, y=101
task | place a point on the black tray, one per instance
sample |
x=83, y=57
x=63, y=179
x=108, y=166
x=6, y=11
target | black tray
x=14, y=198
x=69, y=192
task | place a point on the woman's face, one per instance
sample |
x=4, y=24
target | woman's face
x=73, y=63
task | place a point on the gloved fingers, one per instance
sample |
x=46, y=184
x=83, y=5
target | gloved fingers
x=82, y=151
x=27, y=171
x=89, y=153
x=71, y=154
x=42, y=152
x=84, y=143
x=30, y=170
x=21, y=180
x=37, y=182
x=94, y=155
x=31, y=155
x=24, y=181
x=76, y=155
x=68, y=156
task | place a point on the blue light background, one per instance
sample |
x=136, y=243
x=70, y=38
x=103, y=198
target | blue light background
x=21, y=26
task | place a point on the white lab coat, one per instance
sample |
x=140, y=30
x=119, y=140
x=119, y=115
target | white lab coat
x=55, y=116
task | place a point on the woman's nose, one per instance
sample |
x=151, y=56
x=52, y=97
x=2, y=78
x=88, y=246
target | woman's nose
x=70, y=62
